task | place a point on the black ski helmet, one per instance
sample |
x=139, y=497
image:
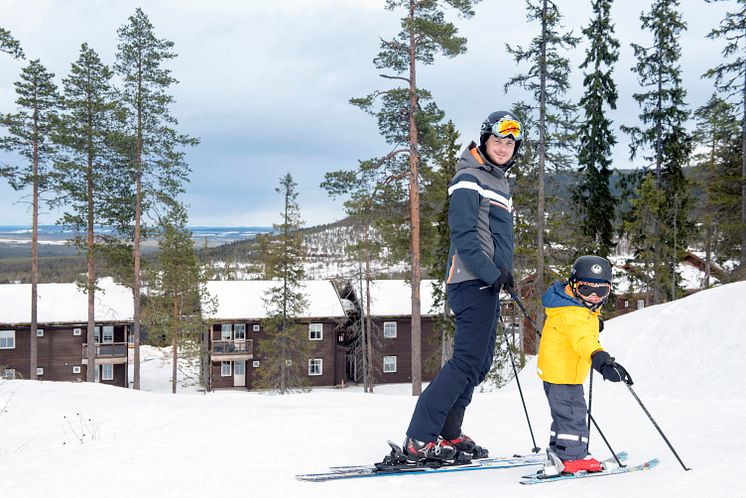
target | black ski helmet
x=591, y=269
x=486, y=131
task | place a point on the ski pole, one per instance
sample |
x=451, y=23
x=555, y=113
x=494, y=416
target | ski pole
x=518, y=301
x=535, y=449
x=605, y=440
x=590, y=401
x=656, y=426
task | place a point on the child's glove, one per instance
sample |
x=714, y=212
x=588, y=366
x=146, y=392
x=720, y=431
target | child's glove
x=604, y=364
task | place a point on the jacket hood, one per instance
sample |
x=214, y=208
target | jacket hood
x=472, y=157
x=556, y=297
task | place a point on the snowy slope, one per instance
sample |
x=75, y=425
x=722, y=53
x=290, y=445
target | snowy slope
x=685, y=357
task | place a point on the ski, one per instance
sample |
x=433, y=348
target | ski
x=395, y=464
x=539, y=477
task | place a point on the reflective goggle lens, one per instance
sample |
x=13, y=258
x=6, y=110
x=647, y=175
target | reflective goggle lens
x=586, y=289
x=508, y=127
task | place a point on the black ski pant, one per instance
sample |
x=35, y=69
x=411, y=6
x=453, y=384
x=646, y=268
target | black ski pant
x=441, y=406
x=568, y=436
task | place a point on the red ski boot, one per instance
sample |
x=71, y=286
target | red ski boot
x=588, y=464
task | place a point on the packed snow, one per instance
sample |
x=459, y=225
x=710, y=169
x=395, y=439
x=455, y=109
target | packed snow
x=686, y=358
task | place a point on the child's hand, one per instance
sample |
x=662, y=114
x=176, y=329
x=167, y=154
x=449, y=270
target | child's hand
x=610, y=370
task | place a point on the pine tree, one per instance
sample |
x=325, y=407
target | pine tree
x=10, y=45
x=661, y=129
x=88, y=173
x=177, y=293
x=30, y=135
x=548, y=81
x=425, y=32
x=287, y=349
x=593, y=199
x=730, y=77
x=156, y=149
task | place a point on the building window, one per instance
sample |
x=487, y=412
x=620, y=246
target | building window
x=255, y=363
x=225, y=368
x=640, y=304
x=9, y=374
x=107, y=372
x=389, y=330
x=289, y=363
x=239, y=331
x=7, y=339
x=39, y=332
x=626, y=303
x=256, y=327
x=77, y=331
x=315, y=331
x=226, y=331
x=389, y=364
x=108, y=337
x=315, y=366
x=76, y=370
x=39, y=370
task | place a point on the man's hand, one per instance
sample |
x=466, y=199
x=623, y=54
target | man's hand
x=504, y=281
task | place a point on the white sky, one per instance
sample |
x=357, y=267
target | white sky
x=265, y=85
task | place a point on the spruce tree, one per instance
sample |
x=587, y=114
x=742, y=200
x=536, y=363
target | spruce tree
x=155, y=148
x=730, y=78
x=716, y=179
x=548, y=81
x=30, y=133
x=88, y=175
x=425, y=32
x=10, y=45
x=593, y=199
x=661, y=131
x=287, y=348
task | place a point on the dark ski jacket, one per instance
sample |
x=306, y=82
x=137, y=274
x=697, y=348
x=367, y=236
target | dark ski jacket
x=569, y=338
x=480, y=217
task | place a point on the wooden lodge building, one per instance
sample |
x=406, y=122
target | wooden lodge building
x=62, y=320
x=234, y=354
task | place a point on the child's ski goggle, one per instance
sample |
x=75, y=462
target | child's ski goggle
x=587, y=289
x=507, y=127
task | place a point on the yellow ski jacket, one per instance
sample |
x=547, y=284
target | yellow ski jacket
x=569, y=338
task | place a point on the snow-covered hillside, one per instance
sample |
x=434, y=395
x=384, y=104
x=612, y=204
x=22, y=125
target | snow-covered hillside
x=685, y=358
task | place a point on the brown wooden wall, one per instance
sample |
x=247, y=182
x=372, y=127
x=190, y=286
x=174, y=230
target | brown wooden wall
x=326, y=349
x=401, y=347
x=58, y=352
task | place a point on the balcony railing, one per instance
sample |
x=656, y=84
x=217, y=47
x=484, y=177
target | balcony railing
x=108, y=350
x=239, y=346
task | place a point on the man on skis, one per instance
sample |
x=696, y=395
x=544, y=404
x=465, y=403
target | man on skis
x=480, y=263
x=569, y=347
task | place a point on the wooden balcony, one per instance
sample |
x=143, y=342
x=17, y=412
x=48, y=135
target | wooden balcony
x=232, y=350
x=114, y=353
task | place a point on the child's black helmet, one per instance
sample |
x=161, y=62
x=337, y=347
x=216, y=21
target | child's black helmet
x=502, y=124
x=591, y=269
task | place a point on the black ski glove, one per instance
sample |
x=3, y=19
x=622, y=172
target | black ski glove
x=604, y=364
x=504, y=281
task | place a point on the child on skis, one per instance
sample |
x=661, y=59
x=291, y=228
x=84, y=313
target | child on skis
x=569, y=347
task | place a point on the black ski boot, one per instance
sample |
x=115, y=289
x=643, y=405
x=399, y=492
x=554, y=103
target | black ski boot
x=439, y=449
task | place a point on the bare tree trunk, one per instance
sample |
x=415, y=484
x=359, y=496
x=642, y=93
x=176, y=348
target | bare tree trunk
x=33, y=357
x=743, y=177
x=363, y=341
x=414, y=222
x=539, y=283
x=368, y=324
x=175, y=351
x=136, y=245
x=90, y=375
x=658, y=185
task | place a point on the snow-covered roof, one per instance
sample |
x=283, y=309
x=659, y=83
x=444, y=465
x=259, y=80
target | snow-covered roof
x=65, y=303
x=244, y=299
x=394, y=297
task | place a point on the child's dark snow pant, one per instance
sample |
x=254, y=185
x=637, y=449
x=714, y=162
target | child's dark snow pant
x=568, y=436
x=441, y=406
